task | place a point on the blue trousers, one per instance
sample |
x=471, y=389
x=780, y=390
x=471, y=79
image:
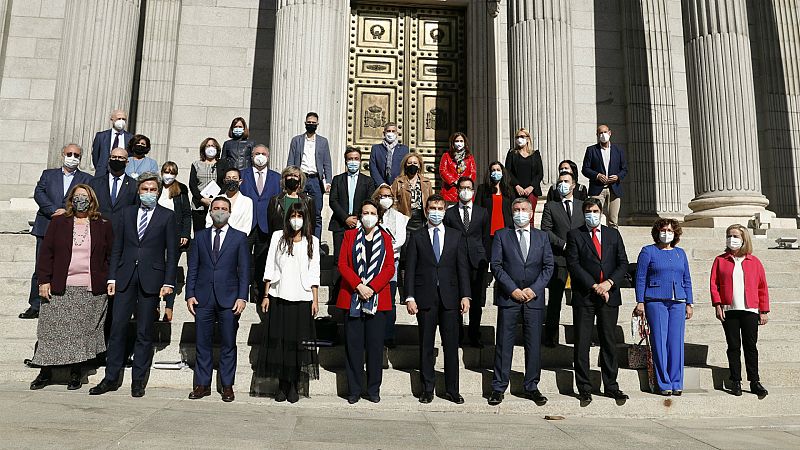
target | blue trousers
x=205, y=318
x=507, y=318
x=314, y=189
x=667, y=320
x=391, y=316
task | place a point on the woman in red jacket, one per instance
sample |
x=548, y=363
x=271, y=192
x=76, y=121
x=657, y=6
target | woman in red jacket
x=741, y=299
x=366, y=264
x=456, y=163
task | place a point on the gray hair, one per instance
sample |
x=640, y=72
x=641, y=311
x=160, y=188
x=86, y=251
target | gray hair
x=519, y=200
x=260, y=146
x=294, y=170
x=149, y=176
x=72, y=144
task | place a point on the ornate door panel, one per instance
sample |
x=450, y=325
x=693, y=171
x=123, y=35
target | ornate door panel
x=407, y=66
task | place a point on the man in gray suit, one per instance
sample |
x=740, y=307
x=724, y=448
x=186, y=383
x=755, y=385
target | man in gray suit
x=311, y=153
x=558, y=219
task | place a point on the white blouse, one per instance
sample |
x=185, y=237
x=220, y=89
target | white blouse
x=292, y=276
x=395, y=223
x=241, y=213
x=165, y=201
x=738, y=303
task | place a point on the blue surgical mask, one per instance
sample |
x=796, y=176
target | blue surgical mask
x=148, y=199
x=592, y=219
x=352, y=166
x=563, y=188
x=521, y=218
x=435, y=216
x=238, y=131
x=497, y=175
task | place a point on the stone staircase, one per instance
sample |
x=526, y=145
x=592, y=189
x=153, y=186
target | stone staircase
x=706, y=363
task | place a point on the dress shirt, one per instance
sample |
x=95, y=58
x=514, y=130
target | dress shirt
x=149, y=212
x=606, y=153
x=526, y=230
x=263, y=173
x=352, y=182
x=441, y=236
x=309, y=162
x=67, y=179
x=599, y=234
x=111, y=183
x=222, y=235
x=114, y=134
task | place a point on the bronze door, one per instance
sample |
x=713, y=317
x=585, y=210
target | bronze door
x=407, y=65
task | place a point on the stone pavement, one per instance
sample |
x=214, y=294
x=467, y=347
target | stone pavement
x=55, y=418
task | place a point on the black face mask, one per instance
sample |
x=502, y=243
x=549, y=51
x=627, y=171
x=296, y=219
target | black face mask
x=140, y=150
x=311, y=128
x=412, y=170
x=231, y=185
x=117, y=166
x=291, y=184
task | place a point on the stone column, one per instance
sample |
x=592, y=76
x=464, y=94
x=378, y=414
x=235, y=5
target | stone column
x=157, y=76
x=541, y=80
x=310, y=74
x=95, y=71
x=722, y=113
x=654, y=162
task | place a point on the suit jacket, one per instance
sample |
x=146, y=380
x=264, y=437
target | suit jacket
x=101, y=149
x=557, y=224
x=127, y=195
x=424, y=275
x=351, y=279
x=49, y=195
x=249, y=187
x=377, y=163
x=225, y=280
x=55, y=254
x=585, y=265
x=512, y=272
x=340, y=199
x=156, y=255
x=593, y=165
x=660, y=278
x=477, y=236
x=323, y=156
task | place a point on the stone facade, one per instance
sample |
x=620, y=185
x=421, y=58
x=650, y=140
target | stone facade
x=704, y=139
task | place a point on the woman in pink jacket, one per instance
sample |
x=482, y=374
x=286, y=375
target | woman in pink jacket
x=739, y=295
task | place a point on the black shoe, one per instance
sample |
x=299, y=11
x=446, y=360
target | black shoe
x=495, y=398
x=677, y=392
x=619, y=396
x=29, y=313
x=103, y=387
x=137, y=388
x=426, y=397
x=291, y=394
x=280, y=396
x=536, y=396
x=74, y=381
x=455, y=398
x=374, y=398
x=353, y=400
x=758, y=389
x=736, y=388
x=389, y=343
x=585, y=398
x=41, y=380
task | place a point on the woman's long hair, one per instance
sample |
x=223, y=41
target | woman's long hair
x=307, y=231
x=505, y=183
x=451, y=150
x=174, y=189
x=92, y=213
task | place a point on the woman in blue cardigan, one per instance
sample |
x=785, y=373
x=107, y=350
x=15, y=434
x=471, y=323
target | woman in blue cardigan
x=664, y=297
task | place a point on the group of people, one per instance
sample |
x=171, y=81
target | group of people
x=108, y=249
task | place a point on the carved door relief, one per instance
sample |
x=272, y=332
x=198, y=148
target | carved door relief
x=407, y=65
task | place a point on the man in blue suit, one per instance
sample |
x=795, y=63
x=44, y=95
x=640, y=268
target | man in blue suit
x=385, y=158
x=522, y=263
x=605, y=166
x=107, y=140
x=143, y=267
x=260, y=184
x=217, y=285
x=312, y=154
x=115, y=190
x=49, y=194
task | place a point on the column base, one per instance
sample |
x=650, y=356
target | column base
x=723, y=210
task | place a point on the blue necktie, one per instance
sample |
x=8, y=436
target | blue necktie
x=114, y=191
x=437, y=252
x=351, y=191
x=143, y=223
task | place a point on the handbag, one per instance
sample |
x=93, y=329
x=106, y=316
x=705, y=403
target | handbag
x=637, y=353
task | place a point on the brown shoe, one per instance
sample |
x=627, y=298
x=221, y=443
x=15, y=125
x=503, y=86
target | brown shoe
x=200, y=392
x=227, y=394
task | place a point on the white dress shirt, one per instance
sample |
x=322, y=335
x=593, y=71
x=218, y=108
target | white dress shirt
x=738, y=302
x=441, y=236
x=606, y=153
x=599, y=234
x=222, y=235
x=309, y=162
x=111, y=145
x=67, y=178
x=526, y=230
x=241, y=213
x=111, y=183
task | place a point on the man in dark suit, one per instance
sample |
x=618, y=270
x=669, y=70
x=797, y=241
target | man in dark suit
x=558, y=218
x=312, y=154
x=217, y=285
x=107, y=140
x=143, y=267
x=50, y=194
x=597, y=265
x=605, y=166
x=437, y=291
x=522, y=263
x=385, y=158
x=260, y=184
x=348, y=191
x=474, y=222
x=115, y=190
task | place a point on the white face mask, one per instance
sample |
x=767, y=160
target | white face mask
x=386, y=202
x=71, y=162
x=666, y=237
x=369, y=221
x=466, y=195
x=211, y=152
x=521, y=141
x=734, y=243
x=604, y=137
x=592, y=219
x=296, y=223
x=390, y=136
x=167, y=178
x=119, y=124
x=260, y=160
x=522, y=218
x=458, y=145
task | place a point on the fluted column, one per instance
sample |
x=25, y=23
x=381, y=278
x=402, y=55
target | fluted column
x=310, y=73
x=95, y=70
x=722, y=111
x=654, y=187
x=157, y=78
x=542, y=88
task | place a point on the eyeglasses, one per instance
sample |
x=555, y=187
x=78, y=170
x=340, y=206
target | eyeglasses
x=73, y=154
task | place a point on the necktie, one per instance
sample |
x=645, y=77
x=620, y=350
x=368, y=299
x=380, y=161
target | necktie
x=114, y=191
x=597, y=247
x=260, y=182
x=437, y=251
x=568, y=206
x=215, y=249
x=523, y=244
x=388, y=163
x=466, y=217
x=351, y=191
x=143, y=223
x=116, y=142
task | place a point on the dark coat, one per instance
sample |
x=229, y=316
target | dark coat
x=339, y=200
x=477, y=236
x=424, y=275
x=49, y=195
x=585, y=265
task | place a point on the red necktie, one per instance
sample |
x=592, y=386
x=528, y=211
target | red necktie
x=597, y=247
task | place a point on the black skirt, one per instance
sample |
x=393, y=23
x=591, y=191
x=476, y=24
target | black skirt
x=288, y=351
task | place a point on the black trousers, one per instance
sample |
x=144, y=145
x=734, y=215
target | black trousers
x=447, y=321
x=199, y=219
x=554, y=299
x=133, y=298
x=583, y=318
x=364, y=334
x=33, y=299
x=477, y=282
x=259, y=246
x=741, y=331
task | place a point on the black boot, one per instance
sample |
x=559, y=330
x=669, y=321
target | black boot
x=292, y=394
x=74, y=378
x=736, y=388
x=758, y=389
x=42, y=380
